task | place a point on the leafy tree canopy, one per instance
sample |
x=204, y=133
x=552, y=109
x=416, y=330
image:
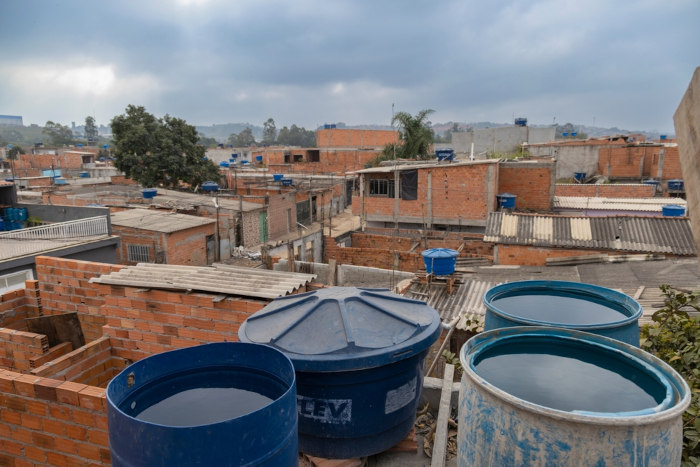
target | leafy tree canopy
x=14, y=151
x=243, y=139
x=269, y=132
x=159, y=151
x=296, y=136
x=58, y=134
x=91, y=132
x=415, y=134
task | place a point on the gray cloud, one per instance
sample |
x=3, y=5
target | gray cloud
x=310, y=62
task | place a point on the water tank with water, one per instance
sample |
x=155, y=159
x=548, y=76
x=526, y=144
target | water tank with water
x=675, y=185
x=358, y=356
x=564, y=304
x=662, y=137
x=210, y=186
x=149, y=193
x=506, y=201
x=553, y=396
x=440, y=261
x=673, y=210
x=227, y=403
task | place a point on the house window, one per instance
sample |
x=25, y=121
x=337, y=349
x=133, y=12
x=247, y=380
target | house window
x=381, y=187
x=298, y=158
x=139, y=253
x=287, y=158
x=15, y=281
x=314, y=155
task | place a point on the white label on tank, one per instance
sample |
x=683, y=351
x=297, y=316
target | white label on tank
x=400, y=397
x=335, y=411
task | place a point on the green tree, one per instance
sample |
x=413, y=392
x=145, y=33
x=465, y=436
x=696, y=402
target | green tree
x=91, y=132
x=58, y=134
x=415, y=135
x=269, y=132
x=296, y=136
x=207, y=142
x=243, y=139
x=14, y=151
x=159, y=151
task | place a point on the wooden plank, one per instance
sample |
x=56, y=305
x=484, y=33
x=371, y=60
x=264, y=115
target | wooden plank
x=58, y=329
x=441, y=431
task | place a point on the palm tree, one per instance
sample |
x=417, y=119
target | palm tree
x=415, y=134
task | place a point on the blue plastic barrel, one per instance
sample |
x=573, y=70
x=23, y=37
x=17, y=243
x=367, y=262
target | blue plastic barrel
x=2, y=224
x=358, y=355
x=60, y=181
x=675, y=185
x=554, y=396
x=244, y=162
x=579, y=176
x=653, y=182
x=226, y=403
x=277, y=177
x=258, y=158
x=149, y=193
x=210, y=186
x=673, y=210
x=287, y=181
x=572, y=305
x=223, y=164
x=506, y=200
x=21, y=214
x=440, y=261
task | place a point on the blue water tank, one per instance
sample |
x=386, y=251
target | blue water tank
x=287, y=181
x=564, y=304
x=673, y=210
x=210, y=186
x=244, y=162
x=60, y=181
x=440, y=261
x=84, y=174
x=662, y=137
x=259, y=158
x=358, y=355
x=445, y=154
x=573, y=134
x=579, y=176
x=149, y=193
x=277, y=177
x=2, y=224
x=21, y=214
x=675, y=185
x=521, y=121
x=223, y=164
x=234, y=155
x=80, y=145
x=565, y=134
x=506, y=200
x=226, y=403
x=557, y=396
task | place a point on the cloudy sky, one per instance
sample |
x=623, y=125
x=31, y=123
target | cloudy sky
x=616, y=63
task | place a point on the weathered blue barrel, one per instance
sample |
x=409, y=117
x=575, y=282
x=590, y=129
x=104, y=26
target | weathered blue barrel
x=673, y=210
x=572, y=305
x=553, y=396
x=149, y=193
x=277, y=177
x=675, y=185
x=506, y=200
x=358, y=355
x=210, y=186
x=226, y=403
x=579, y=176
x=440, y=261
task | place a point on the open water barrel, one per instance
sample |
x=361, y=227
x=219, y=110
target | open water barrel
x=358, y=356
x=553, y=396
x=572, y=305
x=226, y=403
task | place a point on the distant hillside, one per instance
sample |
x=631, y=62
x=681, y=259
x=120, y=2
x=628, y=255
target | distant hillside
x=221, y=131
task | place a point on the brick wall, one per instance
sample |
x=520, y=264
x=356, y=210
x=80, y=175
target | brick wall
x=49, y=422
x=17, y=348
x=532, y=183
x=607, y=190
x=525, y=255
x=627, y=161
x=336, y=161
x=671, y=164
x=13, y=309
x=64, y=287
x=92, y=364
x=189, y=247
x=337, y=137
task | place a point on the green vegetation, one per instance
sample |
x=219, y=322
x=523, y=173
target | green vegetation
x=675, y=338
x=159, y=151
x=58, y=134
x=243, y=139
x=415, y=138
x=292, y=136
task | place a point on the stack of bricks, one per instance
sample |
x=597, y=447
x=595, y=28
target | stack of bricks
x=13, y=309
x=49, y=422
x=17, y=348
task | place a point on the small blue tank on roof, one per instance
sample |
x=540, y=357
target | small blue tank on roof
x=579, y=176
x=675, y=185
x=358, y=356
x=149, y=193
x=210, y=186
x=521, y=121
x=223, y=164
x=673, y=210
x=446, y=154
x=506, y=200
x=277, y=177
x=440, y=261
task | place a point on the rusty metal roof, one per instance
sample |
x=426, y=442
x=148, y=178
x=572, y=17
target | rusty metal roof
x=219, y=278
x=671, y=235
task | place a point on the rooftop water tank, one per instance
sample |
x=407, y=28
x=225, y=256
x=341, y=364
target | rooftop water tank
x=506, y=200
x=244, y=162
x=445, y=154
x=358, y=356
x=149, y=193
x=234, y=155
x=210, y=186
x=226, y=403
x=60, y=181
x=84, y=174
x=553, y=396
x=258, y=159
x=563, y=304
x=521, y=121
x=662, y=137
x=287, y=181
x=673, y=210
x=223, y=164
x=579, y=176
x=277, y=177
x=675, y=185
x=440, y=261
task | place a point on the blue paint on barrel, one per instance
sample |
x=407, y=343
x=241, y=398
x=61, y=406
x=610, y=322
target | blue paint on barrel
x=210, y=186
x=149, y=193
x=506, y=200
x=226, y=403
x=572, y=305
x=675, y=185
x=277, y=177
x=673, y=210
x=358, y=356
x=579, y=176
x=554, y=396
x=440, y=261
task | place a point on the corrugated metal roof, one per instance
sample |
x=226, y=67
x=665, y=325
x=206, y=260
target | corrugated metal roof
x=670, y=235
x=184, y=200
x=219, y=278
x=157, y=221
x=615, y=204
x=466, y=300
